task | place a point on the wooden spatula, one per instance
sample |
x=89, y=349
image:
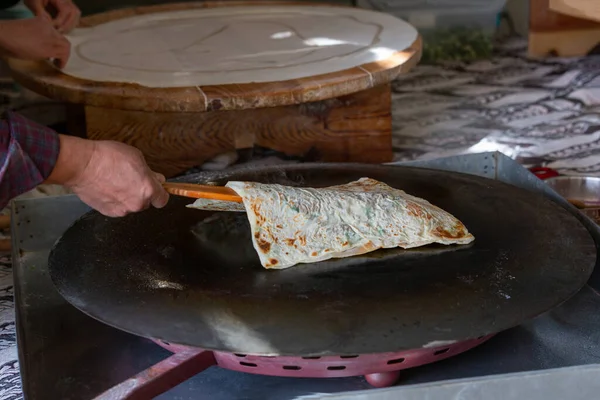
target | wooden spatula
x=202, y=191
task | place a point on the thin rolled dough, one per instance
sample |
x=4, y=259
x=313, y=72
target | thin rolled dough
x=228, y=45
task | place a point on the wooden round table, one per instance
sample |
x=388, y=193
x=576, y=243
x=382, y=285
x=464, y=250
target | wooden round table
x=186, y=82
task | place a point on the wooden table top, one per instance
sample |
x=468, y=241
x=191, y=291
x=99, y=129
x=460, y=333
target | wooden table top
x=225, y=56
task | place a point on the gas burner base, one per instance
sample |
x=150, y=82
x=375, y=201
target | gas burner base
x=380, y=370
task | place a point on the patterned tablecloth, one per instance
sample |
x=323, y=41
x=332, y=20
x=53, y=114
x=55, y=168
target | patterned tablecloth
x=538, y=112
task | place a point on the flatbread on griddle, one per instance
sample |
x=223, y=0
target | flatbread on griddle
x=293, y=225
x=217, y=205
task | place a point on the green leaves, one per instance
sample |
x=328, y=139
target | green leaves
x=456, y=44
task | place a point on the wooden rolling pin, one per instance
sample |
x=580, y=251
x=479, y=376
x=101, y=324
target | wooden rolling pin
x=202, y=191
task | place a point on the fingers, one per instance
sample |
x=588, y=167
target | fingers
x=160, y=197
x=62, y=51
x=160, y=177
x=38, y=9
x=67, y=16
x=63, y=9
x=68, y=21
x=107, y=207
x=50, y=43
x=71, y=22
x=60, y=22
x=61, y=58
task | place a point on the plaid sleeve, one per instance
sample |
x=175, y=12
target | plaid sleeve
x=28, y=153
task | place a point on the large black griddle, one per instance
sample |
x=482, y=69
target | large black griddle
x=177, y=275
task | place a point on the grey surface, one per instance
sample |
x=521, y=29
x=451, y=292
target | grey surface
x=148, y=274
x=67, y=355
x=573, y=383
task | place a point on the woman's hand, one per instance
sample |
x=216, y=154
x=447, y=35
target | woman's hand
x=66, y=13
x=33, y=39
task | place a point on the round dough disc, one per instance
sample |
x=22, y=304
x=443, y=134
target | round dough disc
x=235, y=45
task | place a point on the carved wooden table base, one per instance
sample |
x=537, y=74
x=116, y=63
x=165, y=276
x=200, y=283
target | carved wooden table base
x=352, y=128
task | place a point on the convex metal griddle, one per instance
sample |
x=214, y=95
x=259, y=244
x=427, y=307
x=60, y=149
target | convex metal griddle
x=192, y=277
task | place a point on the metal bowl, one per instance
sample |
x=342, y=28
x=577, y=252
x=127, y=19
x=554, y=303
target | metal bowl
x=582, y=191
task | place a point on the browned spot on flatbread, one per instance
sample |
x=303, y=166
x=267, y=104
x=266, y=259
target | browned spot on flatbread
x=273, y=262
x=260, y=219
x=290, y=242
x=414, y=209
x=365, y=248
x=262, y=244
x=459, y=230
x=370, y=246
x=367, y=185
x=302, y=240
x=314, y=254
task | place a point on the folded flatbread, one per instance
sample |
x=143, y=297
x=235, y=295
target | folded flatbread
x=292, y=225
